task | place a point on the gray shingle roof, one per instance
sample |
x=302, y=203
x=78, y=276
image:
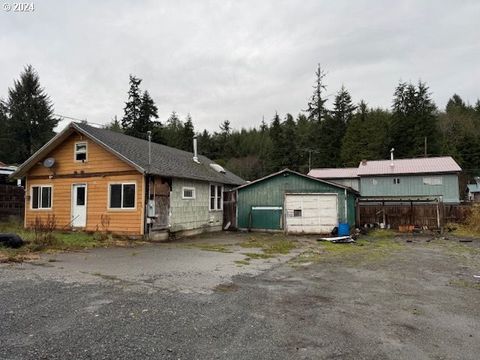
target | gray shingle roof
x=166, y=161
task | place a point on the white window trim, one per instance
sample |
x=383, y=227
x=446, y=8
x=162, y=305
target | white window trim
x=75, y=151
x=216, y=197
x=396, y=181
x=194, y=194
x=121, y=208
x=40, y=191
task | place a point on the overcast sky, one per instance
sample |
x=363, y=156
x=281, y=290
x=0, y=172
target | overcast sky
x=238, y=60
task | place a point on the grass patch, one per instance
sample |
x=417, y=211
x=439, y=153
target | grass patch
x=465, y=284
x=270, y=244
x=366, y=249
x=243, y=262
x=381, y=234
x=226, y=288
x=210, y=247
x=58, y=241
x=258, y=255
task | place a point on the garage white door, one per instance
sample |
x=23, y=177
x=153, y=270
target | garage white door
x=311, y=213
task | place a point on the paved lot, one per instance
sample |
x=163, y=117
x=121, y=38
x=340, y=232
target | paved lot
x=396, y=300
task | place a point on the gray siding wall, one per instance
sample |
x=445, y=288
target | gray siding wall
x=192, y=214
x=411, y=186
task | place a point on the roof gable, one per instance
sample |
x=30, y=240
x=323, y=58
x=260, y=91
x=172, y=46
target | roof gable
x=297, y=174
x=166, y=161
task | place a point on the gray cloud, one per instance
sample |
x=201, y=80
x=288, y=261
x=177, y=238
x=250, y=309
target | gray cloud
x=238, y=60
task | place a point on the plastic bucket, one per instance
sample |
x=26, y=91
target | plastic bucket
x=343, y=229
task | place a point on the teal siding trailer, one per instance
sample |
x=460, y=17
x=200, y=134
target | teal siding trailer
x=442, y=186
x=261, y=204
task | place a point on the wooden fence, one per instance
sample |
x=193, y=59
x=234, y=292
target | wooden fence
x=429, y=215
x=12, y=201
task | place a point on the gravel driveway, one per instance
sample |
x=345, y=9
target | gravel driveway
x=176, y=301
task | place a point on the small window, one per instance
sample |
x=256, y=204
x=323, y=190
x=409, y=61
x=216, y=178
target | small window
x=396, y=181
x=81, y=151
x=216, y=197
x=41, y=197
x=188, y=193
x=80, y=196
x=122, y=196
x=432, y=180
x=297, y=213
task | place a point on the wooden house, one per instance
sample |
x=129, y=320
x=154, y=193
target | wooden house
x=95, y=179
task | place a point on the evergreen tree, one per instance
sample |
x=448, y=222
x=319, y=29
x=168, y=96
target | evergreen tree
x=28, y=112
x=114, y=125
x=148, y=112
x=173, y=131
x=132, y=107
x=188, y=132
x=343, y=108
x=4, y=134
x=316, y=106
x=414, y=119
x=276, y=155
x=289, y=143
x=366, y=136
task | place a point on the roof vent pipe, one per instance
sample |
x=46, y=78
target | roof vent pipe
x=391, y=157
x=195, y=153
x=149, y=134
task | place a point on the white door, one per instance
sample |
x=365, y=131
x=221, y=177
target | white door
x=79, y=205
x=311, y=213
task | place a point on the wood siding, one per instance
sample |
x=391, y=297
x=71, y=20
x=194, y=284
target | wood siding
x=101, y=169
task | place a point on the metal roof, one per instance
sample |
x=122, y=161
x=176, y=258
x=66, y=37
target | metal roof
x=334, y=173
x=473, y=188
x=299, y=174
x=166, y=161
x=444, y=164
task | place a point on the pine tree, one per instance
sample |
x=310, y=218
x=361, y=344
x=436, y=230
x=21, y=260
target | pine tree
x=316, y=106
x=366, y=136
x=4, y=134
x=114, y=125
x=132, y=107
x=29, y=114
x=343, y=108
x=187, y=134
x=414, y=119
x=148, y=112
x=172, y=133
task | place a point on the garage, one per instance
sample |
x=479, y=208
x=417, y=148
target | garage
x=311, y=213
x=293, y=202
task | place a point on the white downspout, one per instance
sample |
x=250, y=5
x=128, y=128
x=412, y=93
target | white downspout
x=346, y=206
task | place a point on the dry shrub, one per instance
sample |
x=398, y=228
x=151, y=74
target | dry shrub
x=473, y=219
x=43, y=231
x=102, y=232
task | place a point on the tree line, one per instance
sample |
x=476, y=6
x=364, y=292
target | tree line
x=327, y=133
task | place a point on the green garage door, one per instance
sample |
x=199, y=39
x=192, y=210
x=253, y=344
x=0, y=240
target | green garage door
x=266, y=217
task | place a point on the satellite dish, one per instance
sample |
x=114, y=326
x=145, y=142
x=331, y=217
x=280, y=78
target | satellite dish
x=49, y=162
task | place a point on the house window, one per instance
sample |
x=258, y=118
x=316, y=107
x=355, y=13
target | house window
x=396, y=181
x=432, y=180
x=122, y=196
x=216, y=197
x=297, y=213
x=188, y=193
x=41, y=197
x=81, y=151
